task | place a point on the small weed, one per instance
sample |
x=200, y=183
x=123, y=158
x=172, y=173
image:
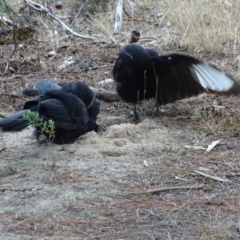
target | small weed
x=210, y=238
x=12, y=170
x=47, y=127
x=196, y=117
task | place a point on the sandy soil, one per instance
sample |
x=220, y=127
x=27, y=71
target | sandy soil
x=94, y=188
x=78, y=184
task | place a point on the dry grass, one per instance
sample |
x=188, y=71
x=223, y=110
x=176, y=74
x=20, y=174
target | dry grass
x=101, y=199
x=209, y=26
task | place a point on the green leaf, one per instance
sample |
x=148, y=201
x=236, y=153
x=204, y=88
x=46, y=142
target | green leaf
x=4, y=9
x=34, y=119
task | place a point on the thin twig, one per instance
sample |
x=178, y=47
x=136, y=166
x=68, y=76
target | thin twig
x=233, y=174
x=78, y=13
x=212, y=177
x=19, y=190
x=13, y=77
x=106, y=95
x=118, y=20
x=194, y=187
x=32, y=219
x=15, y=42
x=41, y=8
x=11, y=95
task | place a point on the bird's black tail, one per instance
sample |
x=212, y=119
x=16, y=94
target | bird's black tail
x=31, y=92
x=15, y=122
x=42, y=86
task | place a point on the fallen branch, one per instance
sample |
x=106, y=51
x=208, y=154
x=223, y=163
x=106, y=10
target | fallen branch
x=212, y=177
x=118, y=20
x=100, y=93
x=106, y=95
x=233, y=174
x=13, y=77
x=164, y=189
x=40, y=8
x=11, y=95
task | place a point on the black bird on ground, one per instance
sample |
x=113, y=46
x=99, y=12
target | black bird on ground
x=141, y=73
x=68, y=112
x=81, y=90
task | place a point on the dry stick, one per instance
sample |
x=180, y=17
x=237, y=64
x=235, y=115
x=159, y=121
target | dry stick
x=125, y=11
x=233, y=174
x=15, y=42
x=99, y=92
x=78, y=13
x=11, y=95
x=19, y=190
x=90, y=105
x=106, y=95
x=212, y=177
x=32, y=219
x=118, y=20
x=41, y=8
x=195, y=187
x=8, y=79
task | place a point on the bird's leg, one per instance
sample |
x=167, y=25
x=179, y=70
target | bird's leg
x=135, y=112
x=157, y=113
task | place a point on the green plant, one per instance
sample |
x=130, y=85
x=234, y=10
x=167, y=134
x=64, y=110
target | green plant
x=47, y=127
x=12, y=170
x=4, y=9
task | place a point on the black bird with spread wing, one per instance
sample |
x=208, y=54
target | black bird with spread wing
x=141, y=73
x=67, y=110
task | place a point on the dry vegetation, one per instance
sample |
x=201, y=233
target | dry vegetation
x=117, y=184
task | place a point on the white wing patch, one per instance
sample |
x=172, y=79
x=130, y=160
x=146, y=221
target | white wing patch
x=211, y=78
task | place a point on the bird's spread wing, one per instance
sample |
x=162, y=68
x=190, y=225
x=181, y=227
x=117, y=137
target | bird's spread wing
x=185, y=76
x=212, y=78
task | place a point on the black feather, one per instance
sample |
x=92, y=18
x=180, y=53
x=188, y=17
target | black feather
x=14, y=122
x=80, y=89
x=68, y=112
x=142, y=73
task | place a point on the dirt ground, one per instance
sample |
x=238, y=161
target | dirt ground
x=132, y=180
